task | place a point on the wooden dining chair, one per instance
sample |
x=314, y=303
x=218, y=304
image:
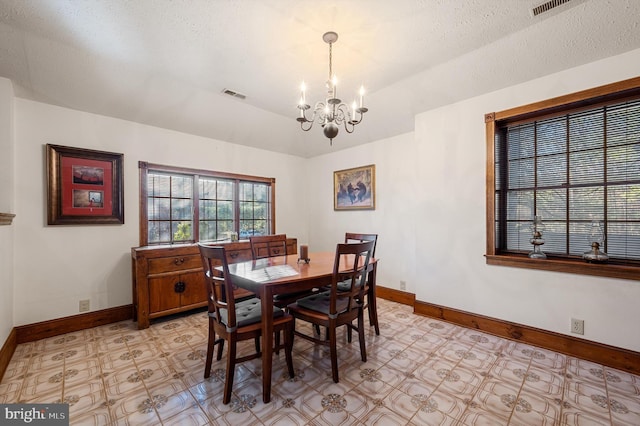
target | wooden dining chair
x=236, y=321
x=335, y=308
x=268, y=245
x=370, y=291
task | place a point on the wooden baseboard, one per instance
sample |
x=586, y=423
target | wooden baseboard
x=7, y=351
x=55, y=327
x=621, y=359
x=395, y=295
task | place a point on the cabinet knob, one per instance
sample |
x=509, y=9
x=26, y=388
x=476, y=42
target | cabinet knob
x=178, y=261
x=233, y=255
x=179, y=287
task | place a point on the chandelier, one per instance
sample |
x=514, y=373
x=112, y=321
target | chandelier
x=331, y=113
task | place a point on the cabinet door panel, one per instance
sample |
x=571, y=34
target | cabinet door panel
x=162, y=295
x=195, y=290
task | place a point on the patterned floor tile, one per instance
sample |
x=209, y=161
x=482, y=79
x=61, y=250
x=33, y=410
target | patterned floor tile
x=382, y=416
x=10, y=391
x=419, y=371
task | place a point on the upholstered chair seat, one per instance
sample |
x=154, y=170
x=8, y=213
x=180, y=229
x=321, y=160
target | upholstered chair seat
x=248, y=312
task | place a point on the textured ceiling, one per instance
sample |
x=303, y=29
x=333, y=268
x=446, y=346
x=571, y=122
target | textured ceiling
x=165, y=63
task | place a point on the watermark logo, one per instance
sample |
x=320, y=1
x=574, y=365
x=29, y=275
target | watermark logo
x=34, y=414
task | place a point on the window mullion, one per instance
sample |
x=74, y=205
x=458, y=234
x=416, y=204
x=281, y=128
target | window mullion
x=171, y=218
x=236, y=205
x=567, y=193
x=502, y=199
x=535, y=169
x=605, y=188
x=195, y=215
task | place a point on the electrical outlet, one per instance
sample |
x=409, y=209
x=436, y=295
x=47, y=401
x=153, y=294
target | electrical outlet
x=577, y=326
x=403, y=285
x=84, y=305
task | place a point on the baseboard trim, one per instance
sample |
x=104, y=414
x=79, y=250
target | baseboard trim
x=621, y=359
x=7, y=351
x=55, y=327
x=395, y=295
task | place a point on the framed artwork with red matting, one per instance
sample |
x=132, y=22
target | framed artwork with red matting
x=84, y=186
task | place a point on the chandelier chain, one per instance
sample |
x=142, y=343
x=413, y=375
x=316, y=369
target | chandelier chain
x=330, y=61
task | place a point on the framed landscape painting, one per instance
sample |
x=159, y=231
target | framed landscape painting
x=84, y=186
x=355, y=189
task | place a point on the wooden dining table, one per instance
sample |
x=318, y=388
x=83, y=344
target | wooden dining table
x=284, y=275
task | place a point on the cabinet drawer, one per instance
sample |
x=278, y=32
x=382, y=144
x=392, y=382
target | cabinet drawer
x=234, y=256
x=292, y=247
x=174, y=263
x=270, y=251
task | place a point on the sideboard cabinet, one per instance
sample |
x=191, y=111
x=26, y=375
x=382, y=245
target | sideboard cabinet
x=169, y=279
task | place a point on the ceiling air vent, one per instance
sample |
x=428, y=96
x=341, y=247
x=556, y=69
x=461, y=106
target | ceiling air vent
x=234, y=94
x=547, y=6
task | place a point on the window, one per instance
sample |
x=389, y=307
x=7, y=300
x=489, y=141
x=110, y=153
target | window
x=179, y=205
x=572, y=160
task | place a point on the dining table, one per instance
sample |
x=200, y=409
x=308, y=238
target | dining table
x=270, y=276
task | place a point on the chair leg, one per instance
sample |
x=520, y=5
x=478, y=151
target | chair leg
x=231, y=368
x=276, y=342
x=288, y=348
x=363, y=349
x=373, y=312
x=333, y=349
x=210, y=347
x=220, y=349
x=257, y=343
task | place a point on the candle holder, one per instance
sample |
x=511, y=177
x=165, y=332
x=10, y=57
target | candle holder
x=304, y=253
x=537, y=240
x=596, y=236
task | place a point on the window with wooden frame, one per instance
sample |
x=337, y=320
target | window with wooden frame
x=573, y=160
x=180, y=205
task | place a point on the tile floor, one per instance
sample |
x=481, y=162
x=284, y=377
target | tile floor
x=420, y=371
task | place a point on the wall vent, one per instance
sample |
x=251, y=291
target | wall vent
x=234, y=94
x=547, y=6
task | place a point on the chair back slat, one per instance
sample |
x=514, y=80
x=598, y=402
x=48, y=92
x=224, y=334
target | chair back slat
x=350, y=266
x=219, y=284
x=350, y=237
x=268, y=245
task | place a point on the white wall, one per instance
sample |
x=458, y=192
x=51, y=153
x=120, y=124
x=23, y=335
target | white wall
x=395, y=217
x=6, y=206
x=430, y=215
x=56, y=266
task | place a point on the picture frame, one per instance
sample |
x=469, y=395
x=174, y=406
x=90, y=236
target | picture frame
x=355, y=189
x=84, y=186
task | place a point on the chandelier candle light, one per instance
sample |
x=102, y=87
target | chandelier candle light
x=332, y=112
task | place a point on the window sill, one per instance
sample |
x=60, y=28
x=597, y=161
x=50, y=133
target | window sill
x=566, y=265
